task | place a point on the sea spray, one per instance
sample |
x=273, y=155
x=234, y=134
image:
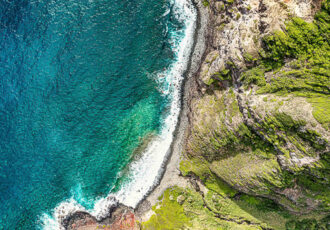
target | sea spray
x=145, y=172
x=76, y=101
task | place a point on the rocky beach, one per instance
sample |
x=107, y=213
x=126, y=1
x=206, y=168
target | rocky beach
x=251, y=150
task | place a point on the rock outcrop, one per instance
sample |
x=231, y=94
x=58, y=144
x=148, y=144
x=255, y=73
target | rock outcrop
x=256, y=123
x=257, y=152
x=121, y=218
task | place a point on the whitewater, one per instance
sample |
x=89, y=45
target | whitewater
x=145, y=172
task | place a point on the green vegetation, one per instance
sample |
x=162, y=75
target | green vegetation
x=206, y=3
x=222, y=7
x=221, y=207
x=321, y=109
x=218, y=77
x=223, y=75
x=254, y=76
x=308, y=74
x=309, y=224
x=245, y=156
x=193, y=211
x=198, y=167
x=249, y=58
x=255, y=161
x=222, y=26
x=171, y=215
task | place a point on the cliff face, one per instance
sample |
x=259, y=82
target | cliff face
x=257, y=152
x=261, y=121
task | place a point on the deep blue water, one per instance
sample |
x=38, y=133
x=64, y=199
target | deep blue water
x=76, y=97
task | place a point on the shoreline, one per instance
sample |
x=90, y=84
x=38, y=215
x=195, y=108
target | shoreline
x=227, y=203
x=169, y=174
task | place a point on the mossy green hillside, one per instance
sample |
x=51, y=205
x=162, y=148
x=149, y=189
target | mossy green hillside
x=258, y=153
x=171, y=217
x=296, y=62
x=180, y=208
x=263, y=152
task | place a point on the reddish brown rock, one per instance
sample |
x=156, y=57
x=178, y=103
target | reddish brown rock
x=122, y=218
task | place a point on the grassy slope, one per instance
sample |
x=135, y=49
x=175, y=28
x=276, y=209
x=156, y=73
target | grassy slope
x=227, y=155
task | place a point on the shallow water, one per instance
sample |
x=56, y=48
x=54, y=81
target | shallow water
x=78, y=93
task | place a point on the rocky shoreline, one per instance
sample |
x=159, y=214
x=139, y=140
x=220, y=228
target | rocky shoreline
x=171, y=174
x=244, y=156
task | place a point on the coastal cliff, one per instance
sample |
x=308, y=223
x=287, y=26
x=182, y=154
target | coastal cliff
x=254, y=134
x=257, y=150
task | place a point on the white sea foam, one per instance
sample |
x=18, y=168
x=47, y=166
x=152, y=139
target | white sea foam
x=64, y=209
x=146, y=171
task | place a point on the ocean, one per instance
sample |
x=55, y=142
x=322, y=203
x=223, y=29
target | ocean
x=89, y=100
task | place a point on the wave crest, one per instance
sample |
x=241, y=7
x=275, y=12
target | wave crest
x=145, y=172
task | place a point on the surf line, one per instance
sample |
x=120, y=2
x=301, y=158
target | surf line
x=145, y=172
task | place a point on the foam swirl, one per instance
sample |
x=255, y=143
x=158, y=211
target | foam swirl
x=145, y=172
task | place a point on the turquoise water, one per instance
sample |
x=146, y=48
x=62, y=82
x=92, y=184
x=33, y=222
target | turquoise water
x=77, y=96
